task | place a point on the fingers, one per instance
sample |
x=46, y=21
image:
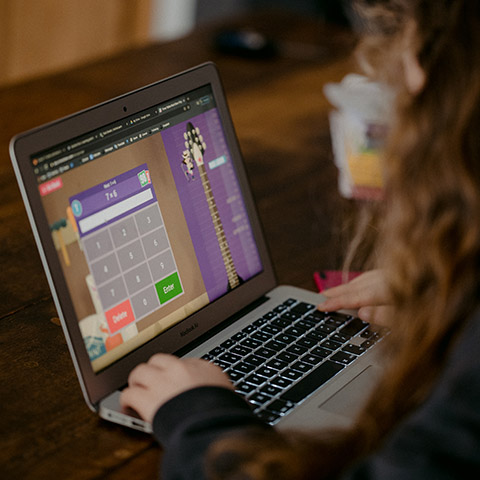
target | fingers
x=141, y=395
x=343, y=296
x=379, y=315
x=165, y=376
x=145, y=374
x=368, y=289
x=140, y=400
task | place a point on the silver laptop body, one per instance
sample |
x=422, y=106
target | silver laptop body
x=150, y=240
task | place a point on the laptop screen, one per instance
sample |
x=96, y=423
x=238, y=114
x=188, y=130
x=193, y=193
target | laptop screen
x=148, y=221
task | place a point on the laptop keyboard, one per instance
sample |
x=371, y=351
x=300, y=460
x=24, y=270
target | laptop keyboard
x=281, y=358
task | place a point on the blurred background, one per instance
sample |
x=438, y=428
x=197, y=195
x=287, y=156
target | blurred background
x=39, y=37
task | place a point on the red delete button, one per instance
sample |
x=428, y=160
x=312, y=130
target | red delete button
x=119, y=316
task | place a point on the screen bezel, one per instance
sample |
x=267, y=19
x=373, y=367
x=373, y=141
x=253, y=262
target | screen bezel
x=96, y=386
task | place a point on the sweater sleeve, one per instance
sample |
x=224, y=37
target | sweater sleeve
x=189, y=423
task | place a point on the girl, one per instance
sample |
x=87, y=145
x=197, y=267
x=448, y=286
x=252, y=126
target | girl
x=423, y=420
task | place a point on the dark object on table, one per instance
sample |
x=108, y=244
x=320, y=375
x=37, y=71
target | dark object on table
x=245, y=43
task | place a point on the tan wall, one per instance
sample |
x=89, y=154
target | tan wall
x=42, y=36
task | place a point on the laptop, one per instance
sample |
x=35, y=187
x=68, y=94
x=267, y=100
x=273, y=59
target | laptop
x=150, y=241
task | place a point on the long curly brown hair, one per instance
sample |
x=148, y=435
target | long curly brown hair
x=429, y=240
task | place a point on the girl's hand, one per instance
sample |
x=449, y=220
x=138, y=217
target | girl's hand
x=367, y=293
x=163, y=377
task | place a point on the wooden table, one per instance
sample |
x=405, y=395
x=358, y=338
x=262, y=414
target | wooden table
x=281, y=119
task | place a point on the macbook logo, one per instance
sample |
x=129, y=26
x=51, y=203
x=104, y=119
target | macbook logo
x=188, y=330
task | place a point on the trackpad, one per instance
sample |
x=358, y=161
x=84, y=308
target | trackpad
x=351, y=397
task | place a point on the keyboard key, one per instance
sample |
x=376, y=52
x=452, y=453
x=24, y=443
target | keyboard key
x=266, y=416
x=297, y=349
x=368, y=343
x=230, y=357
x=234, y=375
x=262, y=336
x=244, y=367
x=302, y=308
x=355, y=349
x=312, y=359
x=265, y=352
x=249, y=329
x=295, y=331
x=354, y=327
x=302, y=367
x=259, y=322
x=254, y=360
x=281, y=322
x=281, y=382
x=251, y=343
x=269, y=316
x=290, y=302
x=274, y=345
x=330, y=344
x=280, y=406
x=318, y=336
x=321, y=352
x=255, y=379
x=287, y=357
x=238, y=336
x=245, y=388
x=343, y=357
x=312, y=381
x=277, y=364
x=291, y=374
x=240, y=350
x=338, y=318
x=258, y=398
x=222, y=365
x=208, y=357
x=316, y=316
x=271, y=329
x=284, y=338
x=228, y=343
x=333, y=322
x=368, y=333
x=306, y=324
x=290, y=316
x=216, y=351
x=340, y=337
x=271, y=390
x=266, y=372
x=307, y=342
x=324, y=328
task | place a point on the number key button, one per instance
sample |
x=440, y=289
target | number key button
x=145, y=302
x=123, y=232
x=162, y=265
x=105, y=269
x=155, y=242
x=97, y=245
x=131, y=255
x=149, y=219
x=138, y=278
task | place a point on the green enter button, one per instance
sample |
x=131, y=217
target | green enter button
x=168, y=288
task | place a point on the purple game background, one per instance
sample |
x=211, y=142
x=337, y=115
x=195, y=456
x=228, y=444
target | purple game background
x=224, y=185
